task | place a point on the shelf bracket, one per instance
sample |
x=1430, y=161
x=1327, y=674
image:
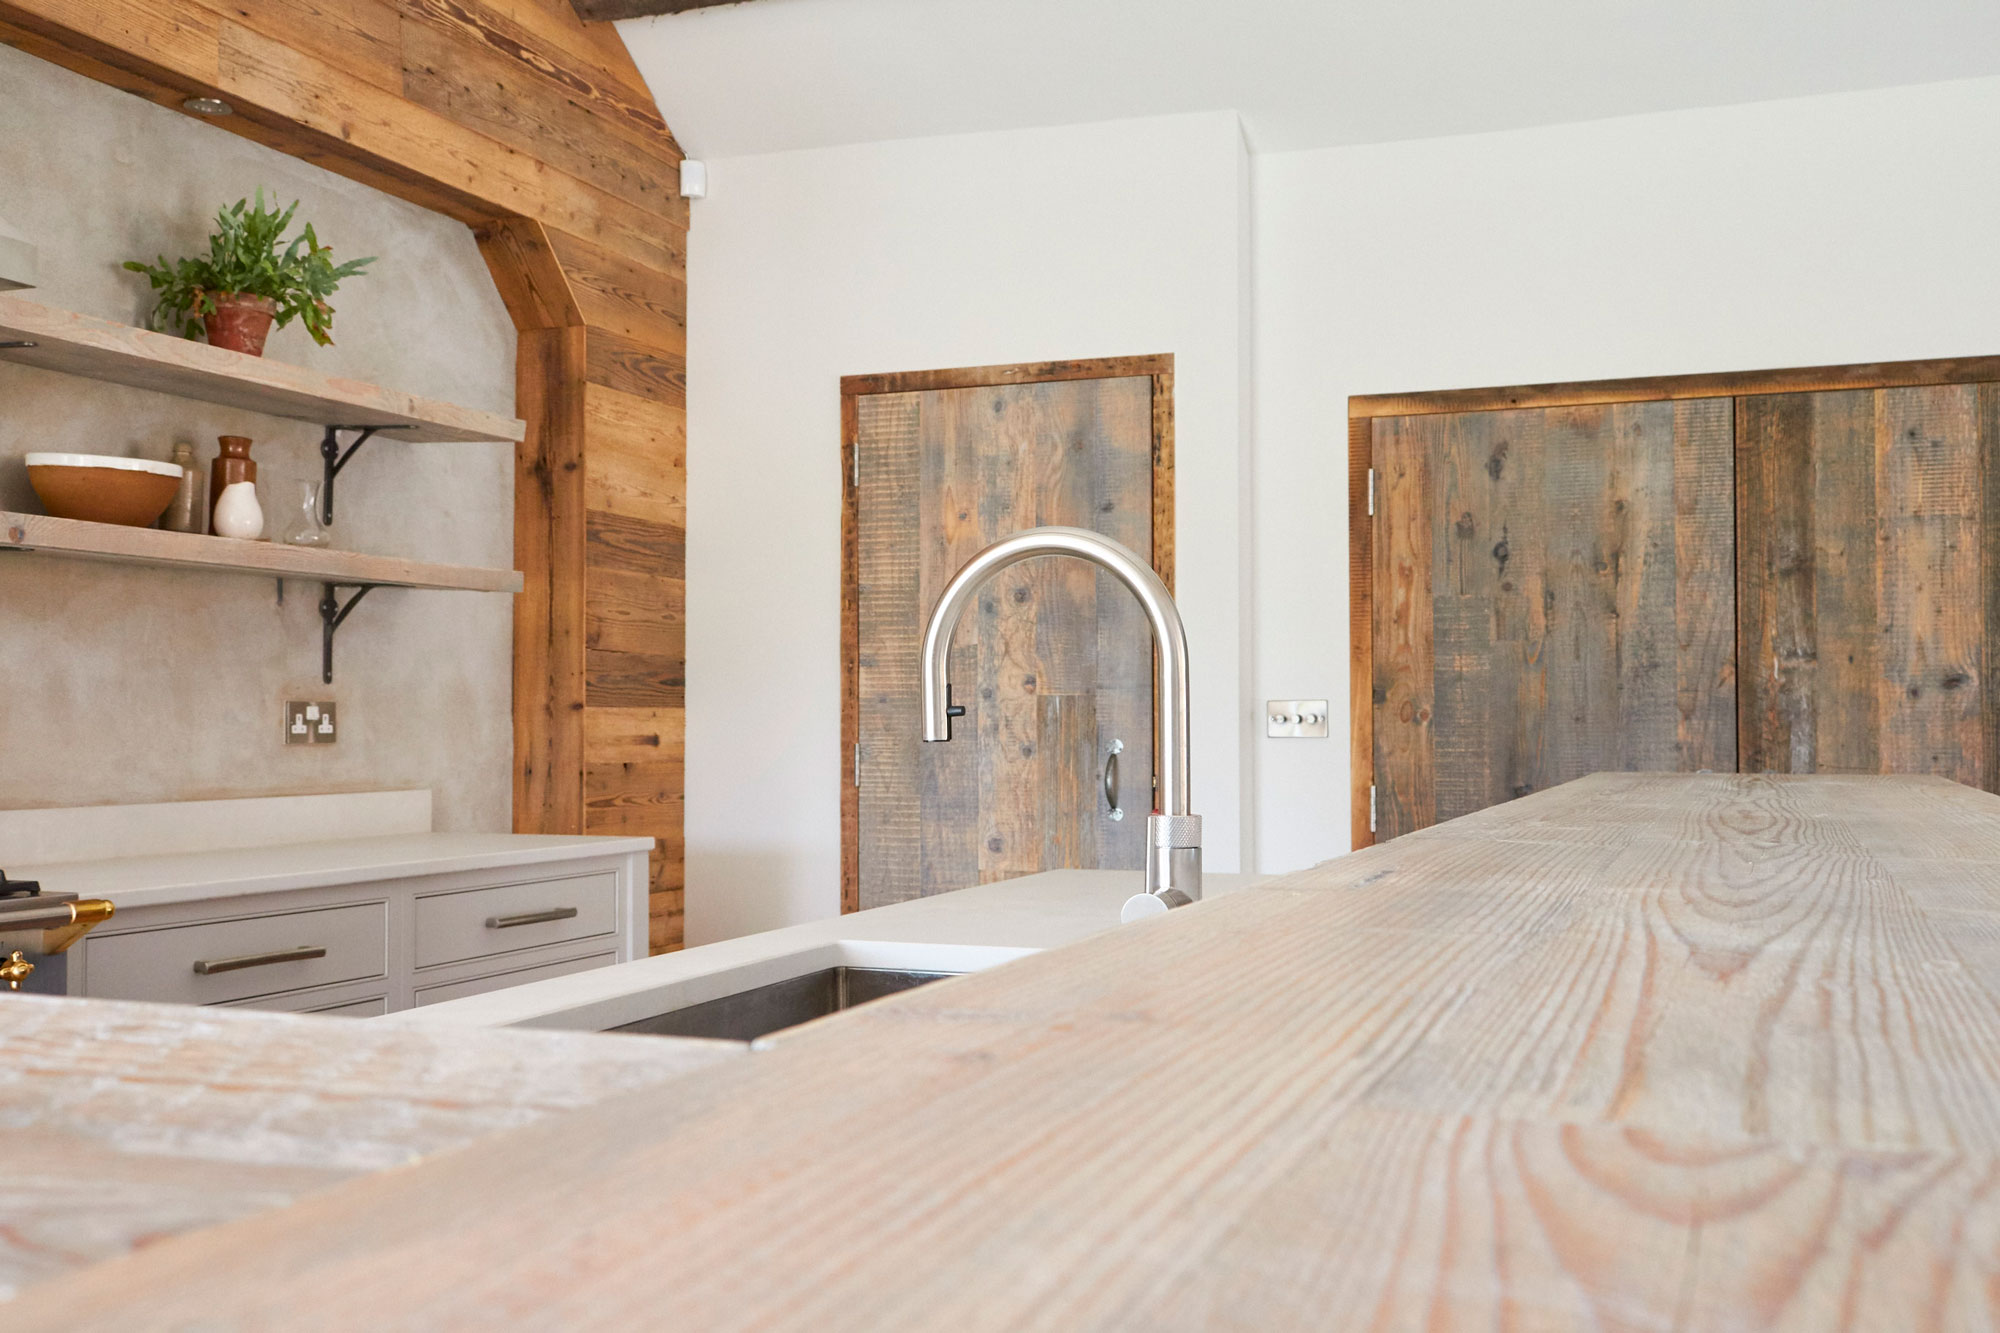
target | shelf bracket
x=331, y=614
x=336, y=458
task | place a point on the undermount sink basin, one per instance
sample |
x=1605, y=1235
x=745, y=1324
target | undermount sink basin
x=749, y=1014
x=756, y=998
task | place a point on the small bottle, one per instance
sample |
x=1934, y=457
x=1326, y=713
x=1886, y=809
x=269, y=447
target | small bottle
x=184, y=514
x=232, y=465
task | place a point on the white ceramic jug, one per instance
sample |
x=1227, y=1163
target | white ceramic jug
x=237, y=513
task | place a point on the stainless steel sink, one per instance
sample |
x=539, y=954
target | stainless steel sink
x=761, y=1010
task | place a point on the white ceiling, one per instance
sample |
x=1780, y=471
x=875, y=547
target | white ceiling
x=771, y=75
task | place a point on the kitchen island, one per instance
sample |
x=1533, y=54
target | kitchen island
x=1642, y=1051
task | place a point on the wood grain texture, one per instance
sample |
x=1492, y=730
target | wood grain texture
x=1658, y=388
x=549, y=524
x=1865, y=582
x=1032, y=372
x=1641, y=1052
x=1015, y=450
x=1405, y=783
x=125, y=1123
x=101, y=349
x=1535, y=620
x=220, y=555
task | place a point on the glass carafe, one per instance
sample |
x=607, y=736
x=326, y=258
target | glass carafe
x=306, y=528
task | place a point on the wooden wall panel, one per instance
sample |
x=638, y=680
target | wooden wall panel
x=537, y=130
x=1866, y=583
x=1534, y=620
x=1405, y=782
x=549, y=528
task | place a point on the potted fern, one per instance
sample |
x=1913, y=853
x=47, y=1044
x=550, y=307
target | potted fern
x=246, y=282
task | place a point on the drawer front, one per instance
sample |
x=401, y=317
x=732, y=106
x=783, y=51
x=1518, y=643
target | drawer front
x=314, y=1002
x=476, y=923
x=259, y=955
x=458, y=990
x=374, y=1008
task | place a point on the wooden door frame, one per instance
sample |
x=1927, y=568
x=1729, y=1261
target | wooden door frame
x=1363, y=409
x=1160, y=369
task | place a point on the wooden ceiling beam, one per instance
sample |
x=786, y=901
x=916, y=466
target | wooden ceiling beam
x=604, y=11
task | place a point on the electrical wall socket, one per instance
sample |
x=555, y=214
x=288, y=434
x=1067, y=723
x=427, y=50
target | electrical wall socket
x=310, y=723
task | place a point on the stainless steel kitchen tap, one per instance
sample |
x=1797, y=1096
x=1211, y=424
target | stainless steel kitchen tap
x=1173, y=833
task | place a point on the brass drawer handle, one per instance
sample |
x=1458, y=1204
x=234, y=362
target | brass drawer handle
x=206, y=967
x=530, y=918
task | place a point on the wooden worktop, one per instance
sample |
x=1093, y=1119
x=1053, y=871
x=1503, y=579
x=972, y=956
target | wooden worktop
x=1640, y=1052
x=123, y=1123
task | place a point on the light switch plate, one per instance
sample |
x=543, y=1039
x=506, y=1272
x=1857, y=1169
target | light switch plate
x=1295, y=717
x=310, y=722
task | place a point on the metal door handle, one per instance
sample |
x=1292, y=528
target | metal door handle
x=1111, y=778
x=530, y=918
x=207, y=967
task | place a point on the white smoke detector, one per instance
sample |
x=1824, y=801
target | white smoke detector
x=20, y=265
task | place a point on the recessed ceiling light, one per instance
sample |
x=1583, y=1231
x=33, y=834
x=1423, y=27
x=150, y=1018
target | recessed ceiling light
x=208, y=106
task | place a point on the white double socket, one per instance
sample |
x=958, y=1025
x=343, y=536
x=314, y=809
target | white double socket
x=1295, y=717
x=310, y=722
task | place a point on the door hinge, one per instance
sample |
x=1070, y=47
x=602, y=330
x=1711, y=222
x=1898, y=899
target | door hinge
x=1371, y=807
x=857, y=773
x=857, y=465
x=1371, y=492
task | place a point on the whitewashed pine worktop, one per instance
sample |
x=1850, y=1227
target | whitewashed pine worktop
x=1641, y=1052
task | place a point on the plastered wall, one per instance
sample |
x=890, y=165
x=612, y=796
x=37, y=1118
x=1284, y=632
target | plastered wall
x=122, y=684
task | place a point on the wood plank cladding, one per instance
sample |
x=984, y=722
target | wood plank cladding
x=537, y=130
x=1549, y=601
x=925, y=445
x=1852, y=514
x=1866, y=582
x=1655, y=388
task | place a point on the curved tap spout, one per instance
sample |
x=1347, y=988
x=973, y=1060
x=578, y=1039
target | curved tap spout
x=1173, y=844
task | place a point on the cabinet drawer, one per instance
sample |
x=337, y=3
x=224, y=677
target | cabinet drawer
x=259, y=955
x=473, y=923
x=315, y=1002
x=458, y=990
x=374, y=1008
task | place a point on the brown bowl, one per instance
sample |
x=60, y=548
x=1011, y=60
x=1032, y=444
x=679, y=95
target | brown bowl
x=100, y=488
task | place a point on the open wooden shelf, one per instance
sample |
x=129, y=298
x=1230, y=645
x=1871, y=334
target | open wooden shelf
x=188, y=550
x=103, y=350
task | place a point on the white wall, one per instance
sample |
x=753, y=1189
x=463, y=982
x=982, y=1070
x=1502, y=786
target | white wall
x=1846, y=228
x=1101, y=240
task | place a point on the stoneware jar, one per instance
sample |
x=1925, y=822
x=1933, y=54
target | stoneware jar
x=232, y=464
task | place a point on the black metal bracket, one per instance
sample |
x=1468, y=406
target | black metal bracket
x=331, y=614
x=18, y=344
x=336, y=459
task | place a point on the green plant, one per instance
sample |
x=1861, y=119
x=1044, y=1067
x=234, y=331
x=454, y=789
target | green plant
x=244, y=256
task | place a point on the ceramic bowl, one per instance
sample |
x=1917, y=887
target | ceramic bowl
x=101, y=488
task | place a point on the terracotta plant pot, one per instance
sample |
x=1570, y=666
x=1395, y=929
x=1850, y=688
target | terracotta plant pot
x=240, y=323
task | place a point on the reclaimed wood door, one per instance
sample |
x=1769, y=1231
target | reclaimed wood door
x=1553, y=596
x=1053, y=663
x=1869, y=581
